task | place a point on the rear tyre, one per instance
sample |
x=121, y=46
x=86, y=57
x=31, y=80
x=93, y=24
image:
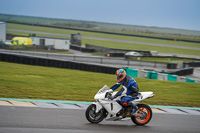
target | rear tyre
x=143, y=115
x=94, y=117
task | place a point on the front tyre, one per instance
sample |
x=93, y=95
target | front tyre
x=94, y=117
x=143, y=115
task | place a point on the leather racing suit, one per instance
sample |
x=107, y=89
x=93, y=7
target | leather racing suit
x=132, y=91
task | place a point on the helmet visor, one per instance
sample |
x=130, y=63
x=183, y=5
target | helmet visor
x=119, y=77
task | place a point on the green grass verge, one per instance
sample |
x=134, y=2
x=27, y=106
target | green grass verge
x=36, y=82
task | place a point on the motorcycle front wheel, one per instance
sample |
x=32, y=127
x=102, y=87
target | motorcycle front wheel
x=143, y=115
x=94, y=117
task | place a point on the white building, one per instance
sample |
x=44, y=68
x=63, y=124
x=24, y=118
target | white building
x=2, y=31
x=56, y=43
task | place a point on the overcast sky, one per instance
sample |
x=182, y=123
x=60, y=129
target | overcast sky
x=180, y=14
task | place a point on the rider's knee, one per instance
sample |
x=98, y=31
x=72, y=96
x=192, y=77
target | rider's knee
x=126, y=103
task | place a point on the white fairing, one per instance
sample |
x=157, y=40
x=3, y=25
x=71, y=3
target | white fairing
x=99, y=96
x=112, y=106
x=146, y=95
x=142, y=96
x=101, y=93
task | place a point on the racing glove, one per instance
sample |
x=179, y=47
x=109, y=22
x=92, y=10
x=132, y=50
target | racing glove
x=111, y=97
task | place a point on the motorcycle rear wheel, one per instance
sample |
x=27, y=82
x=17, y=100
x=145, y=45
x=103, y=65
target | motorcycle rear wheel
x=146, y=115
x=94, y=117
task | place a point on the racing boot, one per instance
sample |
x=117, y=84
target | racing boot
x=134, y=109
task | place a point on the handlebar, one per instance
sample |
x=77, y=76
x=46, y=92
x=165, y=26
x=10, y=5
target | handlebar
x=108, y=94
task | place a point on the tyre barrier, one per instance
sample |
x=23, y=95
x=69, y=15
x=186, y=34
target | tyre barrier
x=182, y=72
x=158, y=76
x=191, y=64
x=119, y=54
x=82, y=49
x=42, y=61
x=175, y=57
x=171, y=65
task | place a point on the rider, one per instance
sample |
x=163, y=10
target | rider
x=130, y=84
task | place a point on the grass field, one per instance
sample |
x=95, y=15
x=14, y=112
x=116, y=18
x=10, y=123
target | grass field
x=100, y=35
x=120, y=45
x=111, y=44
x=36, y=82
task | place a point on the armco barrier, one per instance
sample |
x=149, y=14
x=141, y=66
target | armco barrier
x=41, y=61
x=112, y=50
x=98, y=60
x=191, y=64
x=175, y=57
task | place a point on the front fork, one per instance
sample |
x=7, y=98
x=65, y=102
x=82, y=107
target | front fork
x=98, y=106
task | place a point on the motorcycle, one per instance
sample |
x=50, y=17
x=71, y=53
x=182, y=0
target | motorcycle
x=112, y=110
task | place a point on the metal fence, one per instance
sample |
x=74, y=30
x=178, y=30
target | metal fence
x=98, y=60
x=44, y=61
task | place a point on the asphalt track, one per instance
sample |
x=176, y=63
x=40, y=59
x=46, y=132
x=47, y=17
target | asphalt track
x=17, y=119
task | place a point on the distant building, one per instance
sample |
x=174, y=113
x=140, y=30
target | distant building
x=55, y=43
x=2, y=31
x=76, y=39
